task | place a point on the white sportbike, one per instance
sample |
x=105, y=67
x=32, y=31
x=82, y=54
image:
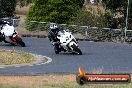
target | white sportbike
x=67, y=42
x=11, y=36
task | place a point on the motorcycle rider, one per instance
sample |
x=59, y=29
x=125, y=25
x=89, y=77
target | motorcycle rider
x=2, y=22
x=52, y=35
x=53, y=32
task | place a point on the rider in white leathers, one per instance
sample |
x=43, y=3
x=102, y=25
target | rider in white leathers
x=2, y=23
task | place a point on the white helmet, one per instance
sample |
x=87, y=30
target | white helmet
x=54, y=27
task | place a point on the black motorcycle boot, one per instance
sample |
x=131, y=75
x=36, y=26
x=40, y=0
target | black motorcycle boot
x=57, y=47
x=2, y=37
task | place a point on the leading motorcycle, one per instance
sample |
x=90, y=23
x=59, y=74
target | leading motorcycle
x=11, y=36
x=67, y=42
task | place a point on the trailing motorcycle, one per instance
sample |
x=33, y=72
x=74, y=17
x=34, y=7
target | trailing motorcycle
x=11, y=36
x=67, y=42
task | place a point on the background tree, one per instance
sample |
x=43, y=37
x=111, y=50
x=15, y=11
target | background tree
x=59, y=11
x=22, y=3
x=7, y=8
x=130, y=15
x=116, y=12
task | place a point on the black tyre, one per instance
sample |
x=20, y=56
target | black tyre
x=76, y=49
x=81, y=80
x=20, y=42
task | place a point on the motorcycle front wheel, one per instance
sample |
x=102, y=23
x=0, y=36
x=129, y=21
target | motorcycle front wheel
x=76, y=49
x=19, y=41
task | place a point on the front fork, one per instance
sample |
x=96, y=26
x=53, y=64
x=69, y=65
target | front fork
x=13, y=38
x=73, y=42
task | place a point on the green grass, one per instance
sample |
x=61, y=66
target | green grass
x=66, y=85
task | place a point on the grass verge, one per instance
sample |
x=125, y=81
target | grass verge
x=9, y=57
x=51, y=81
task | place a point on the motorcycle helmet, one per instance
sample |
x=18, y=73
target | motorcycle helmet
x=54, y=27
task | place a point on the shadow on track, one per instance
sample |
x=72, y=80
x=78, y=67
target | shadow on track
x=10, y=45
x=70, y=53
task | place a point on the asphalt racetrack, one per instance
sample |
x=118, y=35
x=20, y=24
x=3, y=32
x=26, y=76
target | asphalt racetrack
x=106, y=57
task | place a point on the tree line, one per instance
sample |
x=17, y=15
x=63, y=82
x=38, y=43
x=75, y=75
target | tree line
x=116, y=11
x=61, y=11
x=7, y=7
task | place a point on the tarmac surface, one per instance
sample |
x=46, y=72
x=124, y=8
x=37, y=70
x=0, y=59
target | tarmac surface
x=106, y=57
